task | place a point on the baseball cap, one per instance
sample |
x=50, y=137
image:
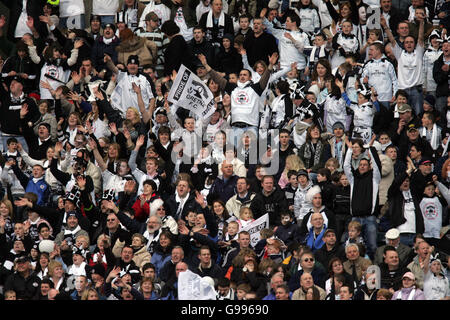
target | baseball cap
x=404, y=108
x=411, y=127
x=329, y=231
x=22, y=258
x=425, y=161
x=409, y=275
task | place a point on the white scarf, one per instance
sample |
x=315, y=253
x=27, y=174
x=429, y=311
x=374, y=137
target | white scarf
x=209, y=19
x=243, y=84
x=73, y=232
x=77, y=270
x=434, y=137
x=411, y=294
x=108, y=41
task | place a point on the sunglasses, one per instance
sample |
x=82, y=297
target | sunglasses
x=308, y=260
x=108, y=220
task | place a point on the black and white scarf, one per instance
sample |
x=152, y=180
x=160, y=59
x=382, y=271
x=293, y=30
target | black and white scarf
x=309, y=150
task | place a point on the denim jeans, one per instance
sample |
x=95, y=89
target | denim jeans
x=415, y=98
x=20, y=139
x=369, y=233
x=407, y=239
x=441, y=103
x=108, y=19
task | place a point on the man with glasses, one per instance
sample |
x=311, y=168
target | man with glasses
x=307, y=265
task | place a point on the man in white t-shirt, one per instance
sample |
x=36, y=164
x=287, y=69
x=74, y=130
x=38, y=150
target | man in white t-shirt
x=106, y=9
x=410, y=59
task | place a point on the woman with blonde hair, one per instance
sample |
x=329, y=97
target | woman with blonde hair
x=90, y=294
x=7, y=215
x=56, y=274
x=332, y=164
x=293, y=162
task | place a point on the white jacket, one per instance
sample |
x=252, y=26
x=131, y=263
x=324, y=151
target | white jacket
x=429, y=57
x=309, y=19
x=289, y=51
x=335, y=111
x=382, y=77
x=301, y=207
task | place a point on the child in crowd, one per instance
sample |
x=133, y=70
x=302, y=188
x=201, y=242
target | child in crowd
x=245, y=217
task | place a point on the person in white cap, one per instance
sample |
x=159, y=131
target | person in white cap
x=393, y=239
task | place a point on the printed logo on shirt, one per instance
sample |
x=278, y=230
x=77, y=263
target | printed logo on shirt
x=430, y=212
x=53, y=71
x=242, y=97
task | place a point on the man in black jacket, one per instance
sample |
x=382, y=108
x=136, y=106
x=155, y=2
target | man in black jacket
x=391, y=270
x=271, y=200
x=199, y=44
x=105, y=44
x=20, y=65
x=11, y=105
x=404, y=209
x=364, y=184
x=182, y=202
x=37, y=145
x=441, y=74
x=23, y=281
x=216, y=23
x=330, y=249
x=207, y=266
x=259, y=45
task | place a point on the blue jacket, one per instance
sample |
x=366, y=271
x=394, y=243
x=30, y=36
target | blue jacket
x=40, y=187
x=223, y=190
x=160, y=257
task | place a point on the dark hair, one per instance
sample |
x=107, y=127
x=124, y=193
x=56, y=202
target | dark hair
x=325, y=172
x=360, y=142
x=324, y=62
x=223, y=282
x=48, y=281
x=283, y=86
x=170, y=28
x=294, y=17
x=151, y=183
x=148, y=265
x=378, y=46
x=11, y=140
x=430, y=116
x=164, y=129
x=330, y=265
x=199, y=27
x=402, y=93
x=284, y=130
x=291, y=173
x=389, y=248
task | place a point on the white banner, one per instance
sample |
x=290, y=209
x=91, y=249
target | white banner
x=190, y=92
x=193, y=287
x=255, y=228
